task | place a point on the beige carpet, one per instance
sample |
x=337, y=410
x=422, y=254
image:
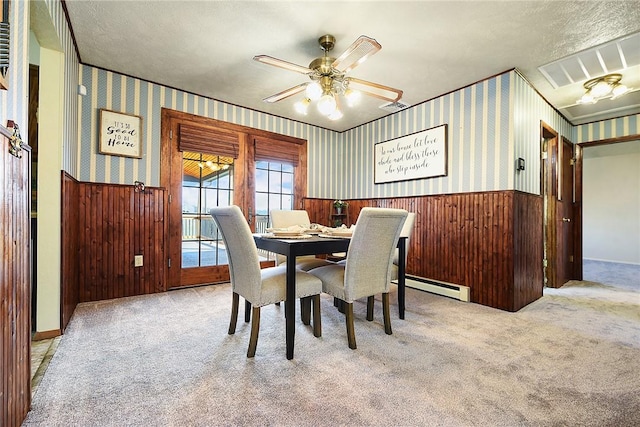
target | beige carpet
x=571, y=358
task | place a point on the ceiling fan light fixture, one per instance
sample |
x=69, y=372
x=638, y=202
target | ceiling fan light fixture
x=327, y=104
x=314, y=91
x=302, y=106
x=329, y=82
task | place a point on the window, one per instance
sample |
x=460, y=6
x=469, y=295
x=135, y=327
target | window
x=274, y=190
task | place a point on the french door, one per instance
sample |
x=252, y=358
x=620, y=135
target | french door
x=207, y=163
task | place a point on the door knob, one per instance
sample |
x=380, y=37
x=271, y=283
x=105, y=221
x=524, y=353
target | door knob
x=566, y=219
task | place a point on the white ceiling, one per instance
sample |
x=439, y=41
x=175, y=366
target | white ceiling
x=429, y=48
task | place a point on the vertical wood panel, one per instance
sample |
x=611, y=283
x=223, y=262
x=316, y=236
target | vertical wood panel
x=528, y=250
x=15, y=285
x=489, y=241
x=72, y=214
x=117, y=223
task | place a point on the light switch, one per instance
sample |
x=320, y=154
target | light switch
x=137, y=261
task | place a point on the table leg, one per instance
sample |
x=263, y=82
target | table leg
x=401, y=276
x=290, y=305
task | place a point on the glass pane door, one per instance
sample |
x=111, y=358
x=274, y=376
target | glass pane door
x=207, y=182
x=274, y=190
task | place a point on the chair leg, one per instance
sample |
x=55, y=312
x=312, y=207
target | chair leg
x=370, y=308
x=385, y=311
x=351, y=334
x=234, y=313
x=305, y=310
x=317, y=319
x=255, y=327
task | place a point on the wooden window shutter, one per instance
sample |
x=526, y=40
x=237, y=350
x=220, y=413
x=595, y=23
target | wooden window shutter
x=206, y=140
x=273, y=150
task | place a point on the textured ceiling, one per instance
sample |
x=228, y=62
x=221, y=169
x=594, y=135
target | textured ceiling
x=429, y=48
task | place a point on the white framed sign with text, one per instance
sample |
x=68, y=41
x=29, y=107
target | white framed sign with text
x=415, y=156
x=120, y=134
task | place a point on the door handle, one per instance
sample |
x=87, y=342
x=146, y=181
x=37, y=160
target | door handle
x=249, y=216
x=566, y=219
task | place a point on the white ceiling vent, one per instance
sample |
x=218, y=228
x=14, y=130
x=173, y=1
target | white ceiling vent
x=393, y=107
x=607, y=58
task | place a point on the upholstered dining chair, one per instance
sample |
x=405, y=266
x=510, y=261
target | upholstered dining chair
x=259, y=287
x=367, y=268
x=281, y=218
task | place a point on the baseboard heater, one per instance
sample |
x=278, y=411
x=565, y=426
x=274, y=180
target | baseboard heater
x=450, y=290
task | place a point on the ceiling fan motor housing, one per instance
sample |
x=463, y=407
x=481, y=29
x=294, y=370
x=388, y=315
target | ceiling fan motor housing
x=327, y=42
x=322, y=65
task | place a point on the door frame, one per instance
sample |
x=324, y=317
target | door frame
x=549, y=192
x=243, y=179
x=578, y=191
x=551, y=174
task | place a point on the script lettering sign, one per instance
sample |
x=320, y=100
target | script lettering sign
x=120, y=134
x=416, y=156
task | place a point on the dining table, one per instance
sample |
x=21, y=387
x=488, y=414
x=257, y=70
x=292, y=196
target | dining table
x=316, y=245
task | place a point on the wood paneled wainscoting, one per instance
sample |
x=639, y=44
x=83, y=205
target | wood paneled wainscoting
x=490, y=242
x=104, y=227
x=15, y=283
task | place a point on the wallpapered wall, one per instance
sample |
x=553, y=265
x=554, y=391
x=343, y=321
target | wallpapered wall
x=113, y=91
x=615, y=128
x=480, y=150
x=13, y=105
x=478, y=143
x=491, y=124
x=528, y=110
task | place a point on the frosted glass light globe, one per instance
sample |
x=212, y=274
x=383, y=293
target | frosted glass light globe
x=313, y=91
x=302, y=106
x=327, y=104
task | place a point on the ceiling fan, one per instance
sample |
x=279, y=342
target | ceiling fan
x=329, y=80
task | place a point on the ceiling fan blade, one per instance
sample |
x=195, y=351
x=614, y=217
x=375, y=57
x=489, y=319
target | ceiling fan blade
x=356, y=54
x=374, y=89
x=286, y=93
x=270, y=60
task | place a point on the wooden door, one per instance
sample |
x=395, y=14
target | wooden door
x=549, y=191
x=565, y=218
x=198, y=178
x=207, y=163
x=15, y=309
x=557, y=179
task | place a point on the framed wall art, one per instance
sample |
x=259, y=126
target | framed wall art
x=120, y=134
x=415, y=156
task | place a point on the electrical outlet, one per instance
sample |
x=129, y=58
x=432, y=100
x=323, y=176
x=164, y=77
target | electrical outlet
x=137, y=261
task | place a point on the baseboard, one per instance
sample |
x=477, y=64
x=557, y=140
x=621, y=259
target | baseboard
x=450, y=290
x=45, y=335
x=612, y=261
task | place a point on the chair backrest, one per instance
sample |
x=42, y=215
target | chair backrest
x=370, y=255
x=407, y=231
x=244, y=263
x=286, y=218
